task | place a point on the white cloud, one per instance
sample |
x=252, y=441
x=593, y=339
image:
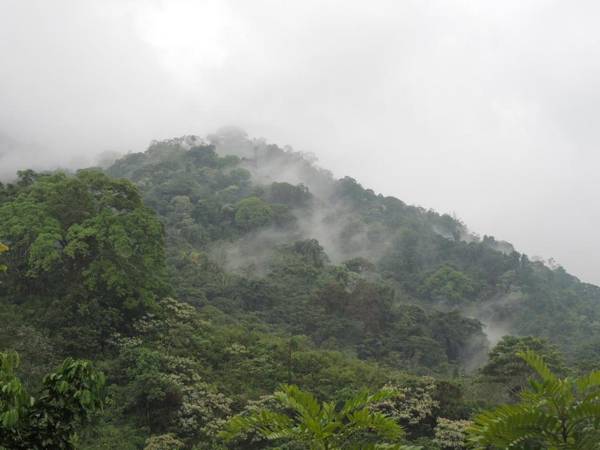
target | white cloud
x=486, y=108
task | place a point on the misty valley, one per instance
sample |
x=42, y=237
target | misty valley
x=223, y=292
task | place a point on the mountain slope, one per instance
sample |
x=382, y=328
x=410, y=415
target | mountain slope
x=235, y=266
x=254, y=227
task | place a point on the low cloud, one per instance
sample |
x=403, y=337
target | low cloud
x=488, y=109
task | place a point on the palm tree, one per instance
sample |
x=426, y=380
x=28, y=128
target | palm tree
x=554, y=414
x=322, y=426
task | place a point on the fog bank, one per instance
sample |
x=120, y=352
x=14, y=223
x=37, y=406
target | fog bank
x=485, y=109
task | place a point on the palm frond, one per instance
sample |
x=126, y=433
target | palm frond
x=510, y=425
x=264, y=422
x=536, y=362
x=589, y=381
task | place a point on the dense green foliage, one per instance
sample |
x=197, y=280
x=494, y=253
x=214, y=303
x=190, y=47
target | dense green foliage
x=246, y=249
x=303, y=421
x=555, y=413
x=507, y=369
x=68, y=398
x=84, y=253
x=234, y=210
x=202, y=276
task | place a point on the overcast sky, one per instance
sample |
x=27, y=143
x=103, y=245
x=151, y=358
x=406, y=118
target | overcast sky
x=489, y=109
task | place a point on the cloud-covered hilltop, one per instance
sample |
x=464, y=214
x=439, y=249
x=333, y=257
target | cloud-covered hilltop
x=241, y=203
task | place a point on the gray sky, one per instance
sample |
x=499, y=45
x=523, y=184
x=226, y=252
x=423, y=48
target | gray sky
x=485, y=108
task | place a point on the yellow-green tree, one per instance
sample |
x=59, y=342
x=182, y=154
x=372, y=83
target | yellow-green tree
x=3, y=248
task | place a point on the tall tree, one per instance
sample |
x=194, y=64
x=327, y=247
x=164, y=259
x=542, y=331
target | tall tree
x=87, y=247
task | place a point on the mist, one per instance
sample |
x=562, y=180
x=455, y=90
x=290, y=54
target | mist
x=483, y=109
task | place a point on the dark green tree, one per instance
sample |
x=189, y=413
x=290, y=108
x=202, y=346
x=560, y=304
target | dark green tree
x=507, y=369
x=69, y=398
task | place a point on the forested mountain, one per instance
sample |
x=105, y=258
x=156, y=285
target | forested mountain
x=204, y=273
x=250, y=212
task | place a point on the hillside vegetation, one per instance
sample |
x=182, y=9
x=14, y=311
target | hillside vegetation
x=204, y=275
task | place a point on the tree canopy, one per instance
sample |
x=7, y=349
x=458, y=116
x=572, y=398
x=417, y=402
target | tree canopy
x=82, y=240
x=203, y=275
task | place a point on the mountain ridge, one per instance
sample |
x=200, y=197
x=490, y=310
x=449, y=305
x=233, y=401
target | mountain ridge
x=350, y=221
x=199, y=281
